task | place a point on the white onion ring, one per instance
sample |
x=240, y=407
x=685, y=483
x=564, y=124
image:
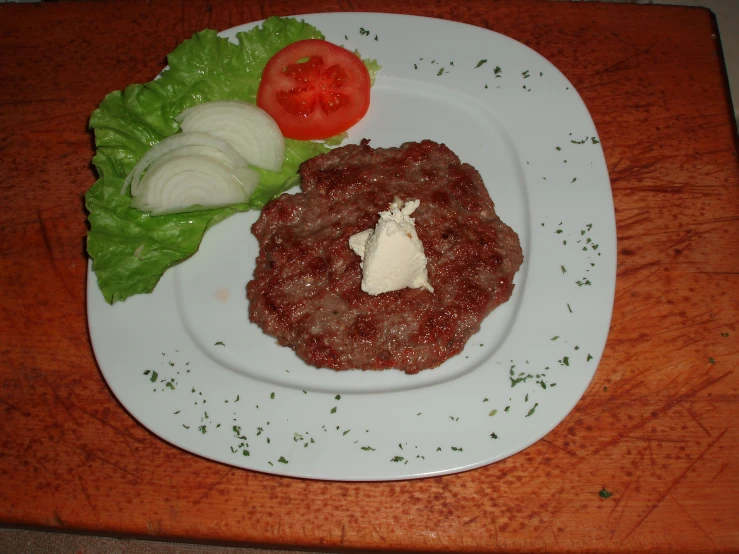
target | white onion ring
x=179, y=183
x=247, y=127
x=206, y=144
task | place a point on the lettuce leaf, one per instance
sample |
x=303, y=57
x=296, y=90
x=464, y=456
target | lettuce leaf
x=130, y=249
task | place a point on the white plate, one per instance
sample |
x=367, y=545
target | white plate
x=226, y=391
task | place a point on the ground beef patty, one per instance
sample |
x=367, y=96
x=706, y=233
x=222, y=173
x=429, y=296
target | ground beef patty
x=307, y=292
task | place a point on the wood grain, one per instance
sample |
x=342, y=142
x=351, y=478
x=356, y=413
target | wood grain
x=657, y=426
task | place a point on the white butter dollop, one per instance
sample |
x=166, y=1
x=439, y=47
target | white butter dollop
x=392, y=254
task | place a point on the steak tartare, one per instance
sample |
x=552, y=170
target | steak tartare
x=306, y=290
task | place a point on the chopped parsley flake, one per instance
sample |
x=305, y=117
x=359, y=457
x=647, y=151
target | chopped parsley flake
x=493, y=436
x=532, y=410
x=368, y=448
x=219, y=343
x=440, y=72
x=333, y=410
x=712, y=360
x=272, y=396
x=456, y=449
x=337, y=397
x=588, y=358
x=282, y=460
x=481, y=62
x=603, y=493
x=497, y=71
x=397, y=459
x=555, y=337
x=520, y=379
x=491, y=414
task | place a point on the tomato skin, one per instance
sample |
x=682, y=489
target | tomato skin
x=314, y=89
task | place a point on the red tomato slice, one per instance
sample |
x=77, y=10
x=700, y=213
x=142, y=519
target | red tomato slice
x=314, y=89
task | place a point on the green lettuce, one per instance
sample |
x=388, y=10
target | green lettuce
x=130, y=249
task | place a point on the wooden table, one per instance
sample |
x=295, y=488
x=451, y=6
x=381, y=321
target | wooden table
x=657, y=427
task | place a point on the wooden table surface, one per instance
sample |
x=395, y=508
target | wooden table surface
x=663, y=437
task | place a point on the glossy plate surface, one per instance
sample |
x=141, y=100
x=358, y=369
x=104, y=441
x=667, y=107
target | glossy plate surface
x=186, y=362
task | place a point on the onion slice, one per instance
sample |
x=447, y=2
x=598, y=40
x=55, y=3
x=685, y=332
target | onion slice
x=196, y=143
x=247, y=127
x=181, y=183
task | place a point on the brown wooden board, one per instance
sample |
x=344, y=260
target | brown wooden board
x=657, y=427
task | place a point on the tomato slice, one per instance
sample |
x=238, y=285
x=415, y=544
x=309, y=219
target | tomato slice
x=314, y=89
